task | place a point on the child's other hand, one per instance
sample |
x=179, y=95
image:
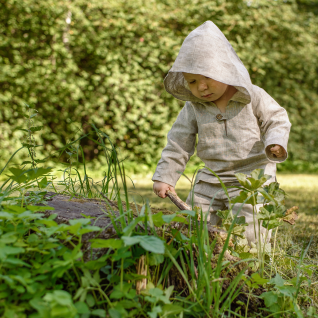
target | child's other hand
x=161, y=188
x=278, y=151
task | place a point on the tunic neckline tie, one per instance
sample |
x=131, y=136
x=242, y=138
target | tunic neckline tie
x=220, y=117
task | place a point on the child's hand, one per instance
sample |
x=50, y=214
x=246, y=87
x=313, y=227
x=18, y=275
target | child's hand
x=278, y=151
x=160, y=189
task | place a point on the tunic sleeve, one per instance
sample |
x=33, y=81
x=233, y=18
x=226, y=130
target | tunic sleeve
x=180, y=147
x=273, y=121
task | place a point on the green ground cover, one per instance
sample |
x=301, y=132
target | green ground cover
x=185, y=272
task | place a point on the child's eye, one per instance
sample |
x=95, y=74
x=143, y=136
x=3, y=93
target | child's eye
x=192, y=82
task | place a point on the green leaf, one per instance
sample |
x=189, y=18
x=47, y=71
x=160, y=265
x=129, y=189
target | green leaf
x=121, y=253
x=10, y=250
x=241, y=220
x=288, y=291
x=115, y=313
x=17, y=172
x=155, y=292
x=19, y=179
x=36, y=208
x=266, y=195
x=242, y=197
x=258, y=279
x=157, y=219
x=168, y=291
x=39, y=305
x=255, y=184
x=4, y=295
x=127, y=304
x=242, y=179
x=224, y=214
x=168, y=218
x=116, y=294
x=271, y=224
x=90, y=300
x=80, y=221
x=154, y=312
x=43, y=183
x=79, y=292
x=99, y=313
x=246, y=255
x=62, y=297
x=130, y=240
x=37, y=172
x=270, y=298
x=16, y=261
x=89, y=228
x=81, y=308
x=257, y=174
x=152, y=244
x=277, y=280
x=6, y=215
x=171, y=310
x=187, y=212
x=15, y=208
x=155, y=259
x=149, y=243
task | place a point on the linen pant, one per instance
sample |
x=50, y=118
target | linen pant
x=202, y=194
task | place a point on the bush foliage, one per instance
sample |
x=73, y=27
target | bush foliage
x=107, y=65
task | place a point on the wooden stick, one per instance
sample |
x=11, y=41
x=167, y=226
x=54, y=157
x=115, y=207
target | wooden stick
x=177, y=201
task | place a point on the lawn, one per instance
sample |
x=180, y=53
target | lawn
x=301, y=189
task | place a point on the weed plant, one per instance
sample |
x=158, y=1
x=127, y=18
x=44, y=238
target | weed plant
x=43, y=272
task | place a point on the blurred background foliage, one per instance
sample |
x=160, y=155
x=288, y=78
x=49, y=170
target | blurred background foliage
x=83, y=61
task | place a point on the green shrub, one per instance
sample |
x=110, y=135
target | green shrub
x=108, y=64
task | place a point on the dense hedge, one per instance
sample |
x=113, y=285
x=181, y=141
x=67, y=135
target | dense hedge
x=108, y=64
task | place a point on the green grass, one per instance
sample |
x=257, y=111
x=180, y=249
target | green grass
x=302, y=191
x=202, y=280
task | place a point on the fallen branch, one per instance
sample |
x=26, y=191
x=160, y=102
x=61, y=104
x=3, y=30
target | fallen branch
x=177, y=201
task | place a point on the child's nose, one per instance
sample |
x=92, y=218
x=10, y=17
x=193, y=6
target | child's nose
x=202, y=86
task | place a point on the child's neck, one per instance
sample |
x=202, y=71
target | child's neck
x=222, y=102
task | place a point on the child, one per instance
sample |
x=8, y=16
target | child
x=240, y=127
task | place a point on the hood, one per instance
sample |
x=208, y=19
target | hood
x=207, y=52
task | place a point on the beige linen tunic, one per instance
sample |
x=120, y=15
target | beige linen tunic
x=226, y=148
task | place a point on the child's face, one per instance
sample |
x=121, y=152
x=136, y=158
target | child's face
x=205, y=88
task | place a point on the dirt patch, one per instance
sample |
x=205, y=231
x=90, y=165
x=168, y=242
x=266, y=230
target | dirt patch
x=68, y=208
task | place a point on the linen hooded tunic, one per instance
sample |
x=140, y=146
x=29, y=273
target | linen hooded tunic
x=254, y=120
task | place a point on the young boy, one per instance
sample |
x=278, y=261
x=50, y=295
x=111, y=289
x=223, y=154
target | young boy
x=239, y=126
